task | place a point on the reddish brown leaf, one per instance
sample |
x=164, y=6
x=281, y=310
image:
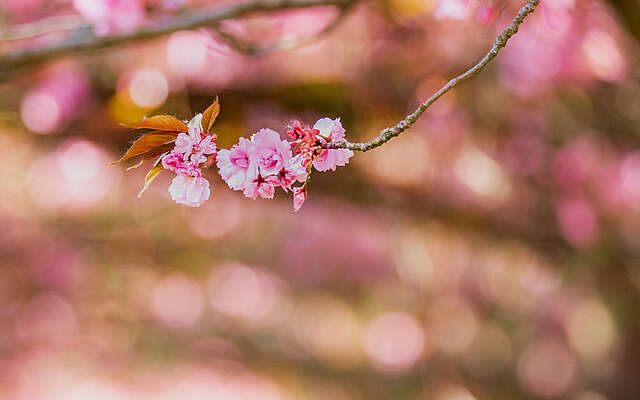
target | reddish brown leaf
x=152, y=154
x=209, y=116
x=160, y=150
x=174, y=134
x=149, y=143
x=162, y=123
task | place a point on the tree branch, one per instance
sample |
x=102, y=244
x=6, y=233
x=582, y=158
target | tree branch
x=82, y=39
x=389, y=133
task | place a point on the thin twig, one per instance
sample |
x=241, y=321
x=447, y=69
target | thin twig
x=83, y=39
x=389, y=133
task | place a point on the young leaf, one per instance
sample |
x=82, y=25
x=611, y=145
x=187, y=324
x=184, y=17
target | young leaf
x=162, y=123
x=147, y=143
x=151, y=176
x=209, y=116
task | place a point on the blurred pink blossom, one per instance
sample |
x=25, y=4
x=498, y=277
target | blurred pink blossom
x=172, y=5
x=75, y=177
x=394, y=341
x=542, y=53
x=177, y=301
x=452, y=9
x=486, y=14
x=603, y=56
x=575, y=163
x=630, y=178
x=578, y=221
x=547, y=368
x=56, y=99
x=112, y=16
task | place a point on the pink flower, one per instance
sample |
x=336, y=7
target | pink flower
x=257, y=185
x=195, y=143
x=183, y=144
x=174, y=162
x=233, y=164
x=189, y=190
x=294, y=170
x=299, y=197
x=269, y=151
x=330, y=159
x=205, y=147
x=112, y=16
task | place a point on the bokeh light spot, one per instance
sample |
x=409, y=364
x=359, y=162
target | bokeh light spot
x=482, y=174
x=41, y=113
x=591, y=330
x=603, y=56
x=394, y=341
x=177, y=301
x=547, y=368
x=187, y=53
x=148, y=88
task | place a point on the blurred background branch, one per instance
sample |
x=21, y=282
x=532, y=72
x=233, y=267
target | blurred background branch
x=285, y=43
x=83, y=39
x=43, y=26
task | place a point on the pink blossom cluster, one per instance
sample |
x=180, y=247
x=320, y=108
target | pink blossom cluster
x=257, y=166
x=191, y=149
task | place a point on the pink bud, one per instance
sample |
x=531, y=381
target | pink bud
x=299, y=197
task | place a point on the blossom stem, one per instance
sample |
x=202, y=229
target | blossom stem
x=308, y=175
x=389, y=133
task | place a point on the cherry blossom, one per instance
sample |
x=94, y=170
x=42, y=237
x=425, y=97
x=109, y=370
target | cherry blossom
x=234, y=163
x=189, y=151
x=189, y=190
x=331, y=131
x=269, y=151
x=259, y=165
x=294, y=170
x=299, y=197
x=258, y=185
x=255, y=166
